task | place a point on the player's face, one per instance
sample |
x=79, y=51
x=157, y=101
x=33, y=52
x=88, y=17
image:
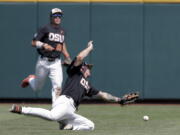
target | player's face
x=56, y=19
x=87, y=73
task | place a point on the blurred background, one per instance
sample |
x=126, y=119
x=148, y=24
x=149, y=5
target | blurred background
x=136, y=45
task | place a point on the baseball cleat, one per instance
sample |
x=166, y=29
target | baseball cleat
x=25, y=82
x=16, y=109
x=68, y=127
x=65, y=127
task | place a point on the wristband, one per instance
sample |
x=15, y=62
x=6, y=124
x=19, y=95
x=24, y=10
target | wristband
x=39, y=44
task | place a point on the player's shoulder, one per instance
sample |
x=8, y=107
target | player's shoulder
x=72, y=69
x=47, y=26
x=44, y=27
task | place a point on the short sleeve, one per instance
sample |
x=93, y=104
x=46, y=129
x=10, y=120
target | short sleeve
x=40, y=34
x=93, y=91
x=71, y=70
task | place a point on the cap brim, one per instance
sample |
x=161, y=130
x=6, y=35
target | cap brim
x=57, y=13
x=90, y=66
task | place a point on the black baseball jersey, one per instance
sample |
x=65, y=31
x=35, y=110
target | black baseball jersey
x=76, y=86
x=52, y=36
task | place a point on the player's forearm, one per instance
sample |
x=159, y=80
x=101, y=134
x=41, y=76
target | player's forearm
x=65, y=52
x=81, y=56
x=37, y=44
x=108, y=97
x=84, y=53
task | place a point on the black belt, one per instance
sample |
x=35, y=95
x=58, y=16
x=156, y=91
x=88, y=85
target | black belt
x=73, y=101
x=68, y=96
x=49, y=59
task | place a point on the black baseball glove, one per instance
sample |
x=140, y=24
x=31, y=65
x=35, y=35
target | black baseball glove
x=129, y=98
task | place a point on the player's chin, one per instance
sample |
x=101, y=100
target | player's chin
x=88, y=76
x=57, y=23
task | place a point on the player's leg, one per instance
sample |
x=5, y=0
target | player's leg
x=62, y=110
x=40, y=75
x=40, y=112
x=56, y=76
x=55, y=114
x=36, y=81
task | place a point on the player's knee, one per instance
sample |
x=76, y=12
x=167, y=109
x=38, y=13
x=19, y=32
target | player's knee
x=58, y=115
x=54, y=117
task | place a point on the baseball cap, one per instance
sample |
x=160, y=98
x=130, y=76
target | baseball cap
x=88, y=65
x=56, y=11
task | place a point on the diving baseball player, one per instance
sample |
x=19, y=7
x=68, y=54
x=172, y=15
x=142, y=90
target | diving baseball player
x=76, y=87
x=49, y=42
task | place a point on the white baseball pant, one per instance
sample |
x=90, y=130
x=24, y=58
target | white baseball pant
x=63, y=110
x=46, y=68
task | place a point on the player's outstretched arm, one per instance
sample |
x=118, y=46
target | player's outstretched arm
x=126, y=99
x=108, y=97
x=84, y=53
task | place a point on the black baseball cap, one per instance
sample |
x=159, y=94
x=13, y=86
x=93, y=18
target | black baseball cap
x=88, y=65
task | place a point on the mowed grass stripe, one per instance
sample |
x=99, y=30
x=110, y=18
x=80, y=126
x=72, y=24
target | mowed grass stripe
x=109, y=120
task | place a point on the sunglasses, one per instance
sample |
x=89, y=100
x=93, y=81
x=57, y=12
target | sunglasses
x=57, y=15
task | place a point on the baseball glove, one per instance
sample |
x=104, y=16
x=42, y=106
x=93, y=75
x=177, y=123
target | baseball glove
x=129, y=98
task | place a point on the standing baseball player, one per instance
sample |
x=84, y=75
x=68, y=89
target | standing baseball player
x=76, y=87
x=49, y=42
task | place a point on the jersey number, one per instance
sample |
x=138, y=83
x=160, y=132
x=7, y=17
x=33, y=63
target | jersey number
x=56, y=37
x=85, y=84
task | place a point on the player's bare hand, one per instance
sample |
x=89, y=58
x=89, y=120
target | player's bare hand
x=59, y=48
x=48, y=47
x=90, y=45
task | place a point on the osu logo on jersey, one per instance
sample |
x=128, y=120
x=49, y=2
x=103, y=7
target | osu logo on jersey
x=56, y=37
x=85, y=84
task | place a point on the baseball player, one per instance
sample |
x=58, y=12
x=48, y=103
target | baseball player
x=49, y=42
x=76, y=87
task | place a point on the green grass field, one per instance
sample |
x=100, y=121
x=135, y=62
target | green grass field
x=109, y=120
